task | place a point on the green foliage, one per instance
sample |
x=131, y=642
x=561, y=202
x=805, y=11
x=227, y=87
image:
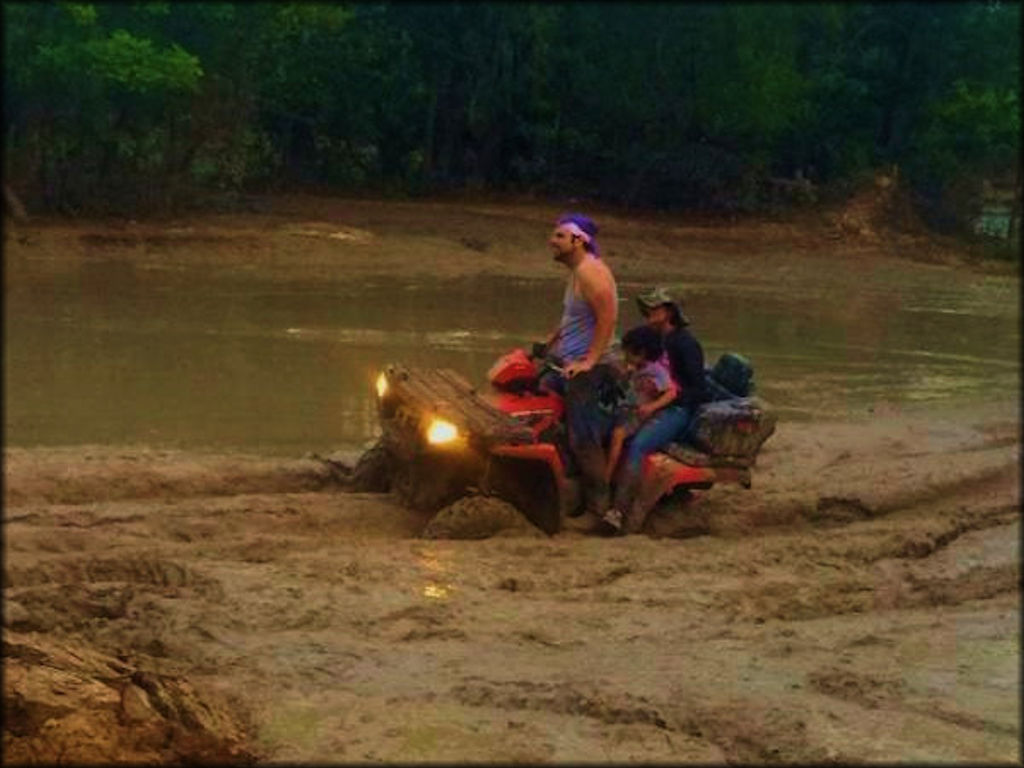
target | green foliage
x=671, y=105
x=137, y=66
x=83, y=13
x=975, y=127
x=756, y=92
x=970, y=136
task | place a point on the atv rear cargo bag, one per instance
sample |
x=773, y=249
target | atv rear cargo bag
x=735, y=427
x=732, y=376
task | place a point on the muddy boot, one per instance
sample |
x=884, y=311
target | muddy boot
x=634, y=519
x=585, y=522
x=625, y=500
x=612, y=523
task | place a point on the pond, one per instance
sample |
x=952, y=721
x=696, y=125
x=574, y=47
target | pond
x=109, y=351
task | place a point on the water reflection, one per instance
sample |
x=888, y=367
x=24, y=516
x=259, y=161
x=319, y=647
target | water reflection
x=436, y=569
x=435, y=591
x=105, y=352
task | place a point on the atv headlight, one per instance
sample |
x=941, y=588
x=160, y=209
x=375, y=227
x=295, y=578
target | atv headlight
x=382, y=385
x=440, y=432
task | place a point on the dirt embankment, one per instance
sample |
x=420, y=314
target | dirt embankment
x=860, y=602
x=476, y=236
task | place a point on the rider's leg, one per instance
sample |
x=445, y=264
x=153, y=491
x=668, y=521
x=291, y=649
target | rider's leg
x=659, y=430
x=589, y=426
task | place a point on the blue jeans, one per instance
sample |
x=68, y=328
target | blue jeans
x=589, y=416
x=553, y=382
x=663, y=427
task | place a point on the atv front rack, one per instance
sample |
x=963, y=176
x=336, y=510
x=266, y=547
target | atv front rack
x=416, y=395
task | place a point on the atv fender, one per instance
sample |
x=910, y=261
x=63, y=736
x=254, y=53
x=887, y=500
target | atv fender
x=661, y=474
x=540, y=488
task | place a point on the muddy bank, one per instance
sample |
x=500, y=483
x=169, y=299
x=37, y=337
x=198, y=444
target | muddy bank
x=859, y=603
x=65, y=703
x=458, y=238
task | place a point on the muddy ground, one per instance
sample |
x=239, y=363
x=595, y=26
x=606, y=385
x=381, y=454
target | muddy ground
x=859, y=603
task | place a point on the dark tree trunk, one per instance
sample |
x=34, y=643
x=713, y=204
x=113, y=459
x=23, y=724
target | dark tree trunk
x=12, y=204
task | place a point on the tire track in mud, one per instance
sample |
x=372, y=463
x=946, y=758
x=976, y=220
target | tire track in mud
x=137, y=568
x=748, y=730
x=412, y=623
x=559, y=698
x=237, y=584
x=889, y=585
x=860, y=569
x=889, y=692
x=895, y=562
x=253, y=528
x=871, y=691
x=840, y=473
x=99, y=474
x=123, y=604
x=845, y=509
x=735, y=513
x=793, y=576
x=887, y=699
x=964, y=720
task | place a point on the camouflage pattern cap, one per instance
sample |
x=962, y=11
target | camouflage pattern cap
x=655, y=297
x=660, y=297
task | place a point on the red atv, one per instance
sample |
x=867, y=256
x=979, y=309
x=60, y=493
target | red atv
x=441, y=438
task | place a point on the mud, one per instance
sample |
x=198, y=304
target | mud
x=859, y=603
x=479, y=517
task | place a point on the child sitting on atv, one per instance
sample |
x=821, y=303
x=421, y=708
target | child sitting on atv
x=646, y=421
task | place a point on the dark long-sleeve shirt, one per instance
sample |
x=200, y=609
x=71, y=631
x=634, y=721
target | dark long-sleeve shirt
x=686, y=360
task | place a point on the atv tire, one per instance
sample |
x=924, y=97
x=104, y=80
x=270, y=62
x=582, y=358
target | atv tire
x=428, y=483
x=374, y=472
x=529, y=487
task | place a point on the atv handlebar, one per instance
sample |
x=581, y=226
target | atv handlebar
x=539, y=352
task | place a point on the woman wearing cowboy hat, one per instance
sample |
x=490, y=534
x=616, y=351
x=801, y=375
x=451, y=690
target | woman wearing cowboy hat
x=685, y=358
x=685, y=354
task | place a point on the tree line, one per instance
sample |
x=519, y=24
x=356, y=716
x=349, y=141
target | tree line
x=134, y=107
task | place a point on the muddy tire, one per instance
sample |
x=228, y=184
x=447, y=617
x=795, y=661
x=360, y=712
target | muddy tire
x=475, y=516
x=530, y=487
x=374, y=472
x=428, y=483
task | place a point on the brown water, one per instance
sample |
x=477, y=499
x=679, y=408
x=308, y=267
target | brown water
x=105, y=351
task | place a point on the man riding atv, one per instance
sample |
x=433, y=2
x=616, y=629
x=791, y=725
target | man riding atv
x=443, y=439
x=538, y=438
x=587, y=377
